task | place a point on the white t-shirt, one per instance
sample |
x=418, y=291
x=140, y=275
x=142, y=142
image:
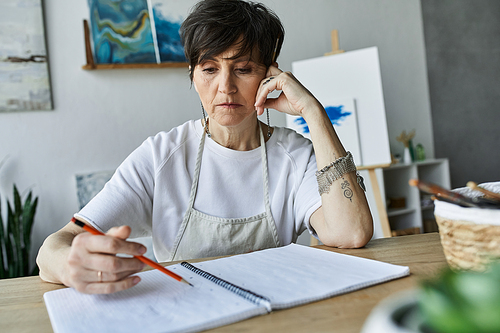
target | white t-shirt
x=150, y=189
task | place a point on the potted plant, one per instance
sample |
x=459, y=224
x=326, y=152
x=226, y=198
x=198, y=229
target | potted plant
x=15, y=236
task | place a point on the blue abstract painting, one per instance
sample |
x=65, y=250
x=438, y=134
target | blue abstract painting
x=342, y=115
x=167, y=28
x=137, y=31
x=121, y=31
x=335, y=114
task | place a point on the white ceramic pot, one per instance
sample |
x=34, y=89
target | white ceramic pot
x=397, y=314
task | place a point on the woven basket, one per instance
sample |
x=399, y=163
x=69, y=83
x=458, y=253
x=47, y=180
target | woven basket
x=470, y=236
x=468, y=245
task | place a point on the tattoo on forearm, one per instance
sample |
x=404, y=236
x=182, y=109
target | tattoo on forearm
x=348, y=193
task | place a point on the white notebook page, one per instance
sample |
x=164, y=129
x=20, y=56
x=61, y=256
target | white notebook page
x=157, y=304
x=297, y=274
x=289, y=276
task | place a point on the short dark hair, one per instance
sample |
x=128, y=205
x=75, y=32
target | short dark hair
x=213, y=26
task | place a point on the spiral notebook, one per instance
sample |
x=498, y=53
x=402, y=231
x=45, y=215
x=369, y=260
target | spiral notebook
x=224, y=291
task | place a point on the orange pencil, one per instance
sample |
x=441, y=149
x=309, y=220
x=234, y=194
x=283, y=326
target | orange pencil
x=145, y=260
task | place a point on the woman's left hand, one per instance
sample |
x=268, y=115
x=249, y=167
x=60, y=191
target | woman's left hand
x=294, y=98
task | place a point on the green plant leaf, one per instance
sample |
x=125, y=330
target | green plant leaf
x=18, y=214
x=16, y=234
x=2, y=244
x=17, y=202
x=10, y=243
x=27, y=222
x=29, y=211
x=26, y=209
x=31, y=220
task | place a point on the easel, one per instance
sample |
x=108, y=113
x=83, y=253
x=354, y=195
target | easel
x=382, y=212
x=335, y=44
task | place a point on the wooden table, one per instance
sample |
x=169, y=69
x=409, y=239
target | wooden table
x=22, y=308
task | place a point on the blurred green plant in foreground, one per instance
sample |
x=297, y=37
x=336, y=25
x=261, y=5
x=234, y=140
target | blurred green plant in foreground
x=464, y=301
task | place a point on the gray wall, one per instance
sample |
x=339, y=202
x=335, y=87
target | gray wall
x=462, y=39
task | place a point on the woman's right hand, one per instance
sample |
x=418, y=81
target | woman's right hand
x=93, y=267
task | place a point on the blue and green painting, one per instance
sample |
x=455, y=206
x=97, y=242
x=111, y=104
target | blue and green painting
x=121, y=31
x=335, y=114
x=167, y=35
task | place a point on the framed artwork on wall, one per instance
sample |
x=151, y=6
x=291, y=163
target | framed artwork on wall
x=121, y=32
x=89, y=184
x=167, y=17
x=137, y=31
x=24, y=72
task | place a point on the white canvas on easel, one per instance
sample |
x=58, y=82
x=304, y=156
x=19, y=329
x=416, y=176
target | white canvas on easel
x=355, y=74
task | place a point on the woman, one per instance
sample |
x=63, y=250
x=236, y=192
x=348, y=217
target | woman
x=224, y=184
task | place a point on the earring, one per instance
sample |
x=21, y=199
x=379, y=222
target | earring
x=205, y=119
x=268, y=124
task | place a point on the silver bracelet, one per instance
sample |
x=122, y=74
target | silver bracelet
x=336, y=170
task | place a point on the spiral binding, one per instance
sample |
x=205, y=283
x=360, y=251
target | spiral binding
x=247, y=294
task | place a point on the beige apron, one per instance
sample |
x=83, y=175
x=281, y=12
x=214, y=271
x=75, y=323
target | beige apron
x=202, y=235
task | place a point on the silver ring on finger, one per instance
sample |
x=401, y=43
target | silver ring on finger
x=99, y=276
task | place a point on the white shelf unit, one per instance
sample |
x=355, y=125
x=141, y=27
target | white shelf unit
x=396, y=185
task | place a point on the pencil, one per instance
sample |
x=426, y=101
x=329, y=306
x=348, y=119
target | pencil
x=489, y=194
x=145, y=260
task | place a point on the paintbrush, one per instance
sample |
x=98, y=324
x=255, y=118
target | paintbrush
x=453, y=197
x=441, y=193
x=488, y=194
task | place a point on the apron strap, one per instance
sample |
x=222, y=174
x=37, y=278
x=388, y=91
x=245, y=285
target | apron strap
x=265, y=171
x=196, y=175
